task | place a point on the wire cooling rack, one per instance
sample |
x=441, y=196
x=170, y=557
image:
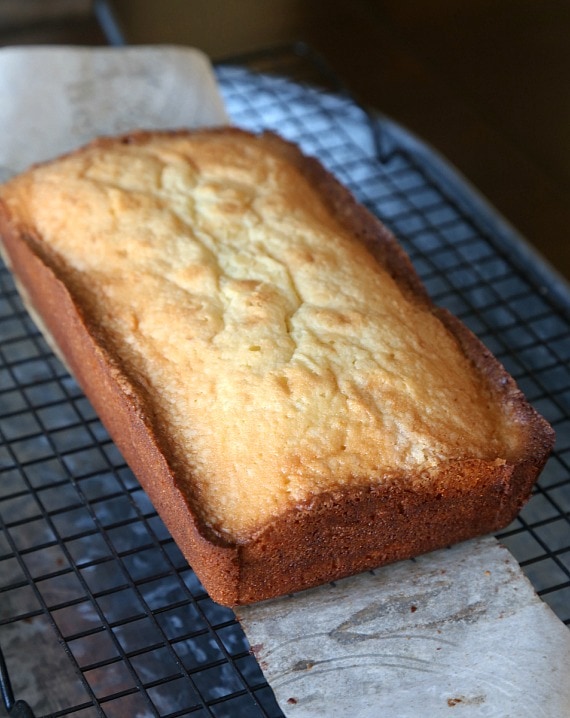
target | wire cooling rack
x=99, y=613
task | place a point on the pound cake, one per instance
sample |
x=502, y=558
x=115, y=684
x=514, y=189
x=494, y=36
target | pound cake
x=263, y=354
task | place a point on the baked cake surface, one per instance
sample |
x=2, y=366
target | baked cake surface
x=278, y=347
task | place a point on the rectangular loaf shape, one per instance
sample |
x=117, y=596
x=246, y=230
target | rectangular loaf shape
x=261, y=350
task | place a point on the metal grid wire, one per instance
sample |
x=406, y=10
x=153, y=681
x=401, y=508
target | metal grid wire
x=99, y=613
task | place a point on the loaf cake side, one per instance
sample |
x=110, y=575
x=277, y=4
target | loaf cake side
x=266, y=359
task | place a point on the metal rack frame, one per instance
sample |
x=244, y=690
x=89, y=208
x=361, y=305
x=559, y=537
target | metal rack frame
x=92, y=588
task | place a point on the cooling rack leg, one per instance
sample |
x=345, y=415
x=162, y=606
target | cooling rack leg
x=21, y=709
x=16, y=709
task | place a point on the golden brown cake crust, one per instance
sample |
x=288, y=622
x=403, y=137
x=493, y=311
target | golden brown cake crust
x=334, y=533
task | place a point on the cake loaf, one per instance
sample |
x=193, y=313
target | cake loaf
x=265, y=357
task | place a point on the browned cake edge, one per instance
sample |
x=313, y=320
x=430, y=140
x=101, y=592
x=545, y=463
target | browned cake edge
x=334, y=534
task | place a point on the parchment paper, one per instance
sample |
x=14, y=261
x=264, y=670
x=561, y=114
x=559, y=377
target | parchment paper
x=53, y=99
x=457, y=629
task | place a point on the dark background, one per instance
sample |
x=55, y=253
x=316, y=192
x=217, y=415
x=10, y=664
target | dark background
x=485, y=82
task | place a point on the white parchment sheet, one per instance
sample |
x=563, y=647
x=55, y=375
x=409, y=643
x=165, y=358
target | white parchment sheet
x=53, y=99
x=458, y=632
